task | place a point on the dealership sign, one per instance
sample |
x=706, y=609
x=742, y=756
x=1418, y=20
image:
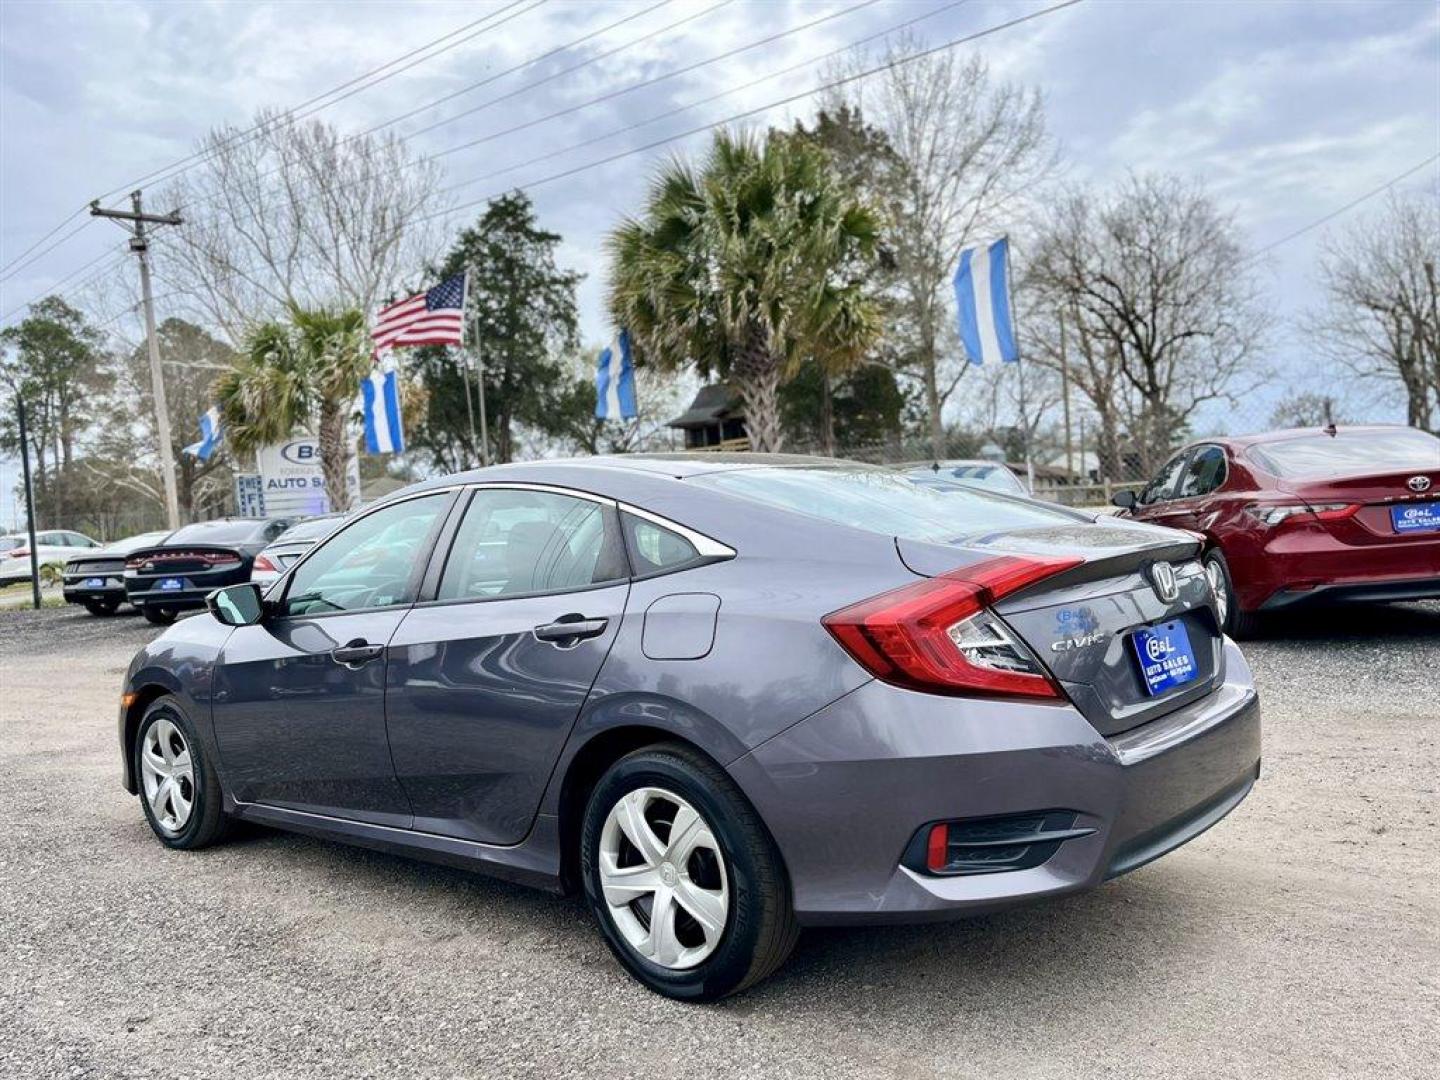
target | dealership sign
x=292, y=482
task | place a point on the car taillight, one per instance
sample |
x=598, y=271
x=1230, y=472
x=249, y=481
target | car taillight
x=938, y=636
x=264, y=564
x=20, y=553
x=1273, y=514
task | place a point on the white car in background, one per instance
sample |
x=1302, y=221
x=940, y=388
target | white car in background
x=55, y=547
x=290, y=545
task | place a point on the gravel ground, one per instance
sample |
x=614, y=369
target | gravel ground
x=1300, y=938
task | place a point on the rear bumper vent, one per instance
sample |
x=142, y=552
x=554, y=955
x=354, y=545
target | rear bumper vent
x=990, y=845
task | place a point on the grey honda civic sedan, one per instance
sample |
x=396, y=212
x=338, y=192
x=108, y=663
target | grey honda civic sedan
x=724, y=697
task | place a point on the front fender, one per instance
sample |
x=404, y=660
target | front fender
x=181, y=663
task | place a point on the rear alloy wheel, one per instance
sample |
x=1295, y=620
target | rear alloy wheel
x=1235, y=622
x=160, y=616
x=178, y=789
x=685, y=881
x=101, y=607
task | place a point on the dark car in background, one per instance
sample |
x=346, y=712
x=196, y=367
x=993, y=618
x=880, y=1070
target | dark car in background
x=1305, y=516
x=96, y=580
x=290, y=545
x=176, y=574
x=725, y=696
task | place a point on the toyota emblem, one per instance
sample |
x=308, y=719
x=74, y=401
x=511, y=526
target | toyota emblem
x=1418, y=483
x=1162, y=580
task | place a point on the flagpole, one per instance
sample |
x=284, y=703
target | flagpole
x=480, y=387
x=1019, y=370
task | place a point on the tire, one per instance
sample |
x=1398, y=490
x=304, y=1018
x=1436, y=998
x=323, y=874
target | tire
x=101, y=607
x=1237, y=623
x=759, y=927
x=205, y=822
x=160, y=616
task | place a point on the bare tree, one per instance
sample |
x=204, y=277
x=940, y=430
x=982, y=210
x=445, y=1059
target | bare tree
x=1381, y=318
x=1157, y=284
x=970, y=151
x=296, y=214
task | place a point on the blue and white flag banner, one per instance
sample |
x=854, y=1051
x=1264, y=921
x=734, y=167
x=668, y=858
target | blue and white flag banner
x=381, y=393
x=615, y=381
x=982, y=292
x=209, y=435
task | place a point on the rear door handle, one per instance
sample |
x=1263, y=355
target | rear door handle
x=571, y=630
x=356, y=653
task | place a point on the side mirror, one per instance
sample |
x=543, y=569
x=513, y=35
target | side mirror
x=237, y=605
x=1125, y=500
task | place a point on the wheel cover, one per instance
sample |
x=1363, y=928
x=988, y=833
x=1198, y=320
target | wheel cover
x=168, y=775
x=663, y=877
x=1217, y=586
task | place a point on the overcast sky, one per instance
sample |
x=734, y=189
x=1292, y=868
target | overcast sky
x=1286, y=111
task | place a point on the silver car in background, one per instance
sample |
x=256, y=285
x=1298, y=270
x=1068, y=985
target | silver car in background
x=290, y=545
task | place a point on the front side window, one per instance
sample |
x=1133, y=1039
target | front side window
x=1204, y=473
x=517, y=542
x=1164, y=484
x=371, y=564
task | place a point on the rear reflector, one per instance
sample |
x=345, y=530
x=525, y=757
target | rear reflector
x=937, y=635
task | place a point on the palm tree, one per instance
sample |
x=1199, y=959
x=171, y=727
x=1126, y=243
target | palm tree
x=300, y=375
x=746, y=267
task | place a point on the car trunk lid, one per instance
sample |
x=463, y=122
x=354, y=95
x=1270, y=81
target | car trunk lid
x=1081, y=623
x=1382, y=498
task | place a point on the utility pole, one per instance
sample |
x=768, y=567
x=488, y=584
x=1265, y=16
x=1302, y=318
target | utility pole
x=480, y=387
x=141, y=246
x=29, y=503
x=1065, y=397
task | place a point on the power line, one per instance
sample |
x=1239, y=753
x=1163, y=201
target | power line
x=109, y=253
x=334, y=92
x=213, y=202
x=41, y=254
x=687, y=69
x=789, y=100
x=42, y=239
x=729, y=91
x=1344, y=209
x=169, y=172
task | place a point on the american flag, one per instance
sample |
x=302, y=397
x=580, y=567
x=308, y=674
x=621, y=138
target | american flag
x=436, y=317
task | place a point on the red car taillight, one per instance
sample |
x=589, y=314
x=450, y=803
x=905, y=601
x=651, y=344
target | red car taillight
x=938, y=636
x=1272, y=515
x=263, y=564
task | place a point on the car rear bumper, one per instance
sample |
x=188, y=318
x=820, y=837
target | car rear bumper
x=1377, y=591
x=846, y=791
x=1311, y=565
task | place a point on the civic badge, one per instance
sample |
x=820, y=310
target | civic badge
x=1162, y=580
x=1418, y=483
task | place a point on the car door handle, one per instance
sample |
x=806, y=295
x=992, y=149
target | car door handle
x=356, y=653
x=571, y=630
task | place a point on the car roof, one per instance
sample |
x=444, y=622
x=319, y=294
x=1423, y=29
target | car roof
x=1260, y=438
x=678, y=465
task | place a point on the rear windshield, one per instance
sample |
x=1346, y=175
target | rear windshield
x=216, y=532
x=10, y=543
x=311, y=529
x=885, y=502
x=1352, y=453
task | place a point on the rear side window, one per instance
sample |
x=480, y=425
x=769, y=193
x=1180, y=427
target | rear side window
x=1349, y=453
x=655, y=549
x=517, y=542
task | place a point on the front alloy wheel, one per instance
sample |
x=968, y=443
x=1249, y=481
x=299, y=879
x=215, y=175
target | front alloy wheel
x=663, y=877
x=179, y=790
x=167, y=775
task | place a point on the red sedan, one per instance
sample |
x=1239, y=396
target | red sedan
x=1305, y=516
